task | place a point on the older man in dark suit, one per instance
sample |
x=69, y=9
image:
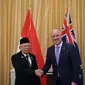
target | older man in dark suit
x=25, y=65
x=64, y=61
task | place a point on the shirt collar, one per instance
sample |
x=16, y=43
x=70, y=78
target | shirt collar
x=59, y=44
x=24, y=54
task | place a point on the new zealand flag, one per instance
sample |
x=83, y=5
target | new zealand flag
x=68, y=36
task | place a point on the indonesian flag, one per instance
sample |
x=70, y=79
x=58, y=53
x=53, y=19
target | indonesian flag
x=29, y=31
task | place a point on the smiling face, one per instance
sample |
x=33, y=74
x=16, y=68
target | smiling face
x=56, y=37
x=25, y=48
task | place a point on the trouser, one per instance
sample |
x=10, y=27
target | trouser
x=58, y=81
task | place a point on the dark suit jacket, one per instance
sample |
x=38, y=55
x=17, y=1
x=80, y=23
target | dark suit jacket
x=68, y=67
x=25, y=75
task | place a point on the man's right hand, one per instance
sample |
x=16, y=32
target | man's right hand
x=39, y=72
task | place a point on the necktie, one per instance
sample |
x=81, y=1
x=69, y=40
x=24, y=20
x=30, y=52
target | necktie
x=57, y=54
x=26, y=57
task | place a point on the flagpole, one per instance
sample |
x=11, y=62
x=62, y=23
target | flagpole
x=30, y=4
x=30, y=13
x=68, y=10
x=68, y=5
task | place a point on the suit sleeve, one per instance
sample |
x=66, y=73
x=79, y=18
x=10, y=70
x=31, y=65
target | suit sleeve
x=47, y=63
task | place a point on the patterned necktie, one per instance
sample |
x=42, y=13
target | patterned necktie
x=26, y=57
x=57, y=54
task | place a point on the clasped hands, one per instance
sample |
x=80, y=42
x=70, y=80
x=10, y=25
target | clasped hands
x=39, y=72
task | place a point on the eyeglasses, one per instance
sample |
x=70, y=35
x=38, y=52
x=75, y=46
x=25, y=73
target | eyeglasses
x=25, y=46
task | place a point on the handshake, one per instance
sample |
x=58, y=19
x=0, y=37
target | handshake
x=39, y=72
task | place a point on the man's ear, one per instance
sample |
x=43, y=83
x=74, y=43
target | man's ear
x=20, y=47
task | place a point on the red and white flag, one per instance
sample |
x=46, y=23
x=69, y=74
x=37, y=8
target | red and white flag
x=29, y=31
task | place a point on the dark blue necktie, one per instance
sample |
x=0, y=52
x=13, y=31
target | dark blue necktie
x=26, y=57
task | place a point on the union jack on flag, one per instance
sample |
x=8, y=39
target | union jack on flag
x=68, y=36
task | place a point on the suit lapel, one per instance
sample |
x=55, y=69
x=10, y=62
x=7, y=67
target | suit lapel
x=53, y=53
x=62, y=52
x=23, y=59
x=31, y=57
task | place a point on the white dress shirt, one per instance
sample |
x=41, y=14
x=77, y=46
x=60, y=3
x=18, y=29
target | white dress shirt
x=29, y=59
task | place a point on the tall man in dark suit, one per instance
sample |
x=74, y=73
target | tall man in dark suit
x=64, y=61
x=25, y=65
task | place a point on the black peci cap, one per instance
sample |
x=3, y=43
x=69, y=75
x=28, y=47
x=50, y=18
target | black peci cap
x=24, y=40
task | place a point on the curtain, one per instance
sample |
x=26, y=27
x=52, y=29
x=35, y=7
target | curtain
x=46, y=15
